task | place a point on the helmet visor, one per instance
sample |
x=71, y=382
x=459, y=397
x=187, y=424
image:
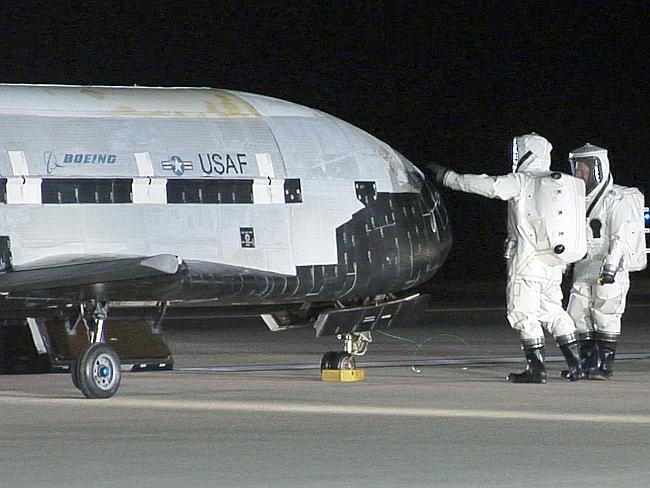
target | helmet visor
x=588, y=169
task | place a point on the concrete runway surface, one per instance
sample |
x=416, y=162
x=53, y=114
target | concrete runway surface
x=453, y=425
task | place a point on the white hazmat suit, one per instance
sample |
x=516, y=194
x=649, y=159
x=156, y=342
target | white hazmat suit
x=533, y=292
x=616, y=245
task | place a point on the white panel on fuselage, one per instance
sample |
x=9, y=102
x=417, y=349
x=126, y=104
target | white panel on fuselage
x=95, y=147
x=376, y=160
x=272, y=249
x=265, y=165
x=191, y=231
x=268, y=191
x=145, y=165
x=70, y=147
x=314, y=148
x=195, y=232
x=326, y=206
x=18, y=163
x=37, y=232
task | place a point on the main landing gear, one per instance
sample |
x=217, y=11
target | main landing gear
x=97, y=371
x=354, y=344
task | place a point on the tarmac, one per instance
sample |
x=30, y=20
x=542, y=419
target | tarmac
x=245, y=407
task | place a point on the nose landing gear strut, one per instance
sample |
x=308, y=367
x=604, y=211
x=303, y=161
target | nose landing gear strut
x=342, y=363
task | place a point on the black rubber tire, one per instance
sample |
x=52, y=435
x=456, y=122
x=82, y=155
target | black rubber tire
x=74, y=373
x=329, y=360
x=98, y=371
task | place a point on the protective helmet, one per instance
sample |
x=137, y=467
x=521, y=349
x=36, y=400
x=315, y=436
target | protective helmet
x=590, y=163
x=531, y=153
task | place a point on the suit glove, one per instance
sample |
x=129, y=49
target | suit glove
x=438, y=172
x=607, y=275
x=606, y=278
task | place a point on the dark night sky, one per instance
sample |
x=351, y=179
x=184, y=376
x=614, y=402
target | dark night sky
x=435, y=81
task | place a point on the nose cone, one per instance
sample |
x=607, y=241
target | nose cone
x=441, y=229
x=438, y=233
x=437, y=244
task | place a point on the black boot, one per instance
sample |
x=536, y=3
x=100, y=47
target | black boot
x=606, y=353
x=572, y=356
x=535, y=371
x=589, y=355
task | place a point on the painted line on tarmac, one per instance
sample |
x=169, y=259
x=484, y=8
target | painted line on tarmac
x=316, y=409
x=394, y=363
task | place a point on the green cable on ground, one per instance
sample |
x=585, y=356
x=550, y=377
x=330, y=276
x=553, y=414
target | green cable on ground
x=418, y=345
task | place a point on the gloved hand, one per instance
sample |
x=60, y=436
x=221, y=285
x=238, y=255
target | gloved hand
x=606, y=278
x=437, y=171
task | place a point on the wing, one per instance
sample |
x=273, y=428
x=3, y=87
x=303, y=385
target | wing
x=73, y=271
x=128, y=278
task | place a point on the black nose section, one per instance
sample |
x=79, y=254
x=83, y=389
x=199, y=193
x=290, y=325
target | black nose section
x=434, y=203
x=441, y=235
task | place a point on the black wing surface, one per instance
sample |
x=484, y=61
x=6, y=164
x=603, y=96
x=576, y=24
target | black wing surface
x=91, y=277
x=128, y=278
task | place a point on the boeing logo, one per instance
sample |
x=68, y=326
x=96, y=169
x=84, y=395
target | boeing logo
x=177, y=165
x=52, y=163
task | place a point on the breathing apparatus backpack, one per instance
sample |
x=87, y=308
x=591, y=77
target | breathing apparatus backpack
x=636, y=259
x=556, y=217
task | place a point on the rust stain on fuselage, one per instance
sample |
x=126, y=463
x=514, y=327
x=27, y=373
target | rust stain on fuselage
x=126, y=111
x=226, y=104
x=94, y=93
x=210, y=104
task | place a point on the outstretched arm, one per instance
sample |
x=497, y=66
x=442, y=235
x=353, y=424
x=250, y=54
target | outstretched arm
x=503, y=187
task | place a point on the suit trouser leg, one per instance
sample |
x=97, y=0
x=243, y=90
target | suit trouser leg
x=523, y=309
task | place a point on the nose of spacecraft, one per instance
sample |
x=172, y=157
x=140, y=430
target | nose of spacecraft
x=440, y=238
x=438, y=211
x=433, y=204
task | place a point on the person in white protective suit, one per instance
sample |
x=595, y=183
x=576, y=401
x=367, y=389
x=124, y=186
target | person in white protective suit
x=533, y=292
x=616, y=245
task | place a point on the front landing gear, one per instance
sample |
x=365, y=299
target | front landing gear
x=341, y=365
x=337, y=360
x=97, y=372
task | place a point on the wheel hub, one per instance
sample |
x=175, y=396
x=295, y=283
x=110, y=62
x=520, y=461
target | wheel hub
x=103, y=372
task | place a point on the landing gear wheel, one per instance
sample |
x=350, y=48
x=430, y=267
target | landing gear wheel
x=98, y=372
x=328, y=360
x=337, y=360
